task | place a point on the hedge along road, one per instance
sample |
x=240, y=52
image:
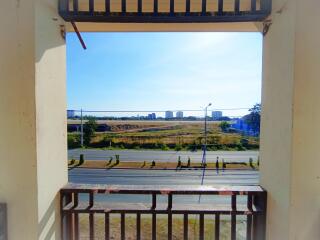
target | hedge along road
x=162, y=156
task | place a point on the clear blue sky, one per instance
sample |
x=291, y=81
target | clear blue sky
x=164, y=71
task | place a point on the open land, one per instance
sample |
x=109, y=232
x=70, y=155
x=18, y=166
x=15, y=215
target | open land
x=164, y=135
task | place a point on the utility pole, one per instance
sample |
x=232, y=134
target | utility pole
x=81, y=129
x=205, y=141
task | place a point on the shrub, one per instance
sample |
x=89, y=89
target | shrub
x=244, y=142
x=224, y=126
x=224, y=165
x=164, y=147
x=251, y=162
x=178, y=147
x=81, y=161
x=153, y=164
x=217, y=163
x=144, y=164
x=189, y=162
x=117, y=159
x=179, y=162
x=73, y=141
x=71, y=162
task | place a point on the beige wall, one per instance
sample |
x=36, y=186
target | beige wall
x=32, y=103
x=289, y=139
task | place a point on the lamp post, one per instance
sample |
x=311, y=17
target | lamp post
x=81, y=129
x=205, y=124
x=205, y=141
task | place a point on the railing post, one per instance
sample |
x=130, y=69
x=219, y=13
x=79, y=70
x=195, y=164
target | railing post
x=3, y=222
x=266, y=6
x=67, y=224
x=259, y=219
x=63, y=6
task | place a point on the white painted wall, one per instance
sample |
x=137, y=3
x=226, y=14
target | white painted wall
x=33, y=152
x=290, y=166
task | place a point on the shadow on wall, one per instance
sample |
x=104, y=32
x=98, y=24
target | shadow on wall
x=49, y=224
x=48, y=28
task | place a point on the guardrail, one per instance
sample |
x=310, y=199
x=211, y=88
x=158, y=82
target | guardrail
x=71, y=10
x=254, y=210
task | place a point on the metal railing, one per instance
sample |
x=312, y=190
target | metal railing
x=3, y=222
x=253, y=209
x=258, y=10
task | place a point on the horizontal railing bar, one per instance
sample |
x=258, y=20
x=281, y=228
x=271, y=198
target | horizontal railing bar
x=254, y=208
x=83, y=207
x=166, y=19
x=164, y=190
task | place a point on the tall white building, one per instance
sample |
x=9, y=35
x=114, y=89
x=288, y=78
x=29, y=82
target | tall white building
x=179, y=114
x=216, y=115
x=169, y=114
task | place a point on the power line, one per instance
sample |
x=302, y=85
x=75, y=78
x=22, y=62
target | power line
x=156, y=111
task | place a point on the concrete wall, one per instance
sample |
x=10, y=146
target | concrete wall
x=289, y=139
x=33, y=157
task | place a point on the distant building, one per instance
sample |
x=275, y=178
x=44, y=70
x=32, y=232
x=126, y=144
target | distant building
x=179, y=114
x=216, y=115
x=169, y=114
x=152, y=116
x=70, y=114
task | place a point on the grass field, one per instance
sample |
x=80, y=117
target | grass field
x=177, y=228
x=165, y=135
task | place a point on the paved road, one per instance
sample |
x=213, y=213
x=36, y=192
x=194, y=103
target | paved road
x=162, y=156
x=162, y=177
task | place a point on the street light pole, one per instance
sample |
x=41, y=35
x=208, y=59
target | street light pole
x=81, y=127
x=205, y=141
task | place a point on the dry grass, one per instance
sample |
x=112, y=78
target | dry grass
x=177, y=228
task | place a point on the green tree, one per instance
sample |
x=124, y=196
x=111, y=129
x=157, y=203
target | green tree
x=253, y=118
x=89, y=129
x=224, y=126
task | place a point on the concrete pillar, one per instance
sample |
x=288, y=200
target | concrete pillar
x=291, y=114
x=33, y=146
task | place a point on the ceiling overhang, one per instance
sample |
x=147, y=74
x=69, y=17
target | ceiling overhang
x=164, y=11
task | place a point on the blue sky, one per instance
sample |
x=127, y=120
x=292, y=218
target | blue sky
x=164, y=71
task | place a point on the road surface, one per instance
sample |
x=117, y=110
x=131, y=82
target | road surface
x=162, y=177
x=163, y=156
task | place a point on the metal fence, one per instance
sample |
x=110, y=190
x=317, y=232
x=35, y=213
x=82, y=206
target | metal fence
x=254, y=209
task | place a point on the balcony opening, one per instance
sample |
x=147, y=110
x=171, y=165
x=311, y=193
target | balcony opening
x=168, y=125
